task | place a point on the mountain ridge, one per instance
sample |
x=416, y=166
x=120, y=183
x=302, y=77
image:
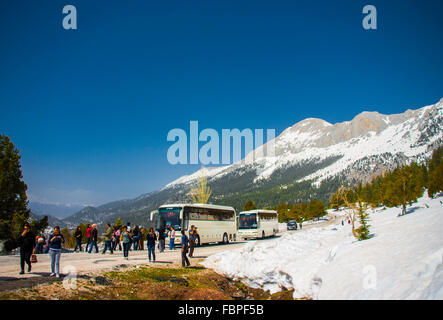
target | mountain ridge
x=310, y=152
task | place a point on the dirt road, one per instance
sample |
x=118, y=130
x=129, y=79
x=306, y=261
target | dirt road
x=84, y=263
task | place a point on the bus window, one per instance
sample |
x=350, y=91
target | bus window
x=248, y=221
x=169, y=217
x=192, y=215
x=227, y=216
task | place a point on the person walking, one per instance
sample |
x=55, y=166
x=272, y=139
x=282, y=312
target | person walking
x=161, y=239
x=150, y=243
x=78, y=235
x=94, y=237
x=191, y=241
x=184, y=250
x=172, y=239
x=128, y=228
x=108, y=236
x=113, y=239
x=118, y=242
x=141, y=238
x=56, y=240
x=26, y=242
x=136, y=237
x=125, y=238
x=88, y=236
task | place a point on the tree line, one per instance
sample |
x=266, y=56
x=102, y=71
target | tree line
x=400, y=187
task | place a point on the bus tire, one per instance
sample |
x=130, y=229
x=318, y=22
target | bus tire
x=197, y=241
x=225, y=238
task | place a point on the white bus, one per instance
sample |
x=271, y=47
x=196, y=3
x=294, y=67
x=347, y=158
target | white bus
x=214, y=223
x=257, y=224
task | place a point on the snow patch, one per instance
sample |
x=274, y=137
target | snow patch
x=406, y=254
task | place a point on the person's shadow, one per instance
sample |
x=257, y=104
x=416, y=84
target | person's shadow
x=164, y=262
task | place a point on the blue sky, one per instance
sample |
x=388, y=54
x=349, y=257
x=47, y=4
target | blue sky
x=90, y=108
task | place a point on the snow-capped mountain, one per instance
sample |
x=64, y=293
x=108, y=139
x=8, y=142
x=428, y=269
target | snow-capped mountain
x=368, y=145
x=310, y=161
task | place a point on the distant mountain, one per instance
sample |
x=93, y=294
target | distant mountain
x=312, y=158
x=52, y=221
x=56, y=210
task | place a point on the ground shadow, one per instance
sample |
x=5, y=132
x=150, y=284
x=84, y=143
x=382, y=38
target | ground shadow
x=12, y=283
x=102, y=260
x=196, y=268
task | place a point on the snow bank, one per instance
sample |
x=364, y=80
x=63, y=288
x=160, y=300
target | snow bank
x=402, y=261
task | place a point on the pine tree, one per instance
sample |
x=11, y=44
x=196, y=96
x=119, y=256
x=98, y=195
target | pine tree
x=376, y=197
x=38, y=226
x=13, y=200
x=434, y=181
x=249, y=205
x=362, y=232
x=69, y=239
x=316, y=209
x=118, y=222
x=404, y=186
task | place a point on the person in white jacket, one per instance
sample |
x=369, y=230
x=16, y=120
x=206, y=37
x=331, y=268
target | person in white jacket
x=172, y=239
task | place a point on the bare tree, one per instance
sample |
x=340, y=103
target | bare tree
x=201, y=193
x=355, y=209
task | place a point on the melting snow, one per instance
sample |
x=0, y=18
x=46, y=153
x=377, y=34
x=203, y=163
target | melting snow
x=402, y=261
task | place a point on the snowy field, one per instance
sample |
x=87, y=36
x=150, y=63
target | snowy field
x=403, y=259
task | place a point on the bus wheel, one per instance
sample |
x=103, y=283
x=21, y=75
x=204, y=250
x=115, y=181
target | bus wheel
x=197, y=241
x=225, y=239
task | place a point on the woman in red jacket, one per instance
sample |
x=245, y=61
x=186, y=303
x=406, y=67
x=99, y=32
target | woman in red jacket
x=88, y=236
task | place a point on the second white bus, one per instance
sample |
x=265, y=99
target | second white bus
x=257, y=224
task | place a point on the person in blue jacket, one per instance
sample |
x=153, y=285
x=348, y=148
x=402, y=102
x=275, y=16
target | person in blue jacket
x=55, y=250
x=184, y=250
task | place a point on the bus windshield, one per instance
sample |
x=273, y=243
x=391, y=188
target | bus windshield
x=169, y=217
x=248, y=221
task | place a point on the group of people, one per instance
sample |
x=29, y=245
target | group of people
x=126, y=238
x=113, y=237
